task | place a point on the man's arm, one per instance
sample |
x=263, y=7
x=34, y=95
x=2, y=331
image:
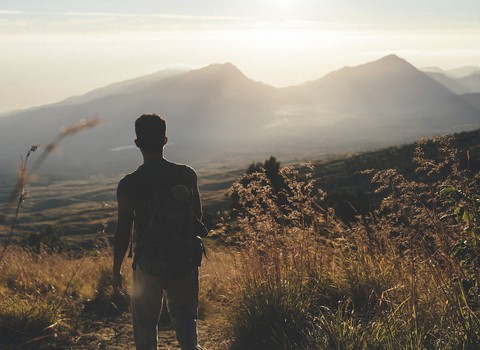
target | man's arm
x=196, y=201
x=121, y=238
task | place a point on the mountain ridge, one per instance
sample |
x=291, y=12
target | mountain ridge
x=218, y=114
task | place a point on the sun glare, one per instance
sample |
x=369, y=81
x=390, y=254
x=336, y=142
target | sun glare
x=281, y=4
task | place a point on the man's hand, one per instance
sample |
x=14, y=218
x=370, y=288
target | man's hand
x=121, y=237
x=117, y=282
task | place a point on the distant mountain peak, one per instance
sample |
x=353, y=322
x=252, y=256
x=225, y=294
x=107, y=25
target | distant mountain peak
x=223, y=69
x=390, y=58
x=219, y=72
x=391, y=61
x=228, y=65
x=385, y=65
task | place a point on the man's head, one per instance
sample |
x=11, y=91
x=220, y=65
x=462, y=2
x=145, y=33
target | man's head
x=150, y=130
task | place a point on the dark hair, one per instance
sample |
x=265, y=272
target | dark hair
x=150, y=130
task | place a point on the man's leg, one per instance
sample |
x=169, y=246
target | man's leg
x=146, y=306
x=182, y=303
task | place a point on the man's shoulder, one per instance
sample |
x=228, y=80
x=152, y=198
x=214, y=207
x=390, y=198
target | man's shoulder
x=183, y=170
x=147, y=170
x=130, y=181
x=129, y=177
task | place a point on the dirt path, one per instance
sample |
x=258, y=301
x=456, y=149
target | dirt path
x=118, y=335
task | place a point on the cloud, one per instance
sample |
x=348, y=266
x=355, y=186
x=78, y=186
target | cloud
x=6, y=12
x=101, y=22
x=122, y=148
x=82, y=22
x=123, y=15
x=158, y=15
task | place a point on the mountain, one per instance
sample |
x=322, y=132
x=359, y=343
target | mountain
x=136, y=84
x=472, y=82
x=462, y=72
x=390, y=83
x=382, y=102
x=459, y=72
x=205, y=108
x=466, y=84
x=218, y=115
x=450, y=83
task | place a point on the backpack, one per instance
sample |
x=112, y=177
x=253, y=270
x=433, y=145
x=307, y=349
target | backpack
x=166, y=245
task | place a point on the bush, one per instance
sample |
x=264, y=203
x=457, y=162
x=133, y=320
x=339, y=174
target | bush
x=50, y=240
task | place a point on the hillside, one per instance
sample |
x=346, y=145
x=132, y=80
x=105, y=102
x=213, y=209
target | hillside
x=351, y=193
x=348, y=191
x=136, y=84
x=472, y=82
x=450, y=83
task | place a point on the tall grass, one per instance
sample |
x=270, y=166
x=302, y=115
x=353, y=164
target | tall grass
x=282, y=258
x=19, y=193
x=31, y=309
x=28, y=320
x=404, y=277
x=33, y=300
x=35, y=313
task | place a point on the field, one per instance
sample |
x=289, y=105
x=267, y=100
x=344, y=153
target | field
x=285, y=271
x=79, y=207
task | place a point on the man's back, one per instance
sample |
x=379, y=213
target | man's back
x=140, y=183
x=161, y=193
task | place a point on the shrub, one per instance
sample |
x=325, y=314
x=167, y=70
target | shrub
x=405, y=276
x=106, y=303
x=50, y=240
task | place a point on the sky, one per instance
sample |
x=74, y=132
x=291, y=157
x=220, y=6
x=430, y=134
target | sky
x=54, y=49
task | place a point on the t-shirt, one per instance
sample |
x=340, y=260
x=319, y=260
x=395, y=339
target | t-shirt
x=140, y=183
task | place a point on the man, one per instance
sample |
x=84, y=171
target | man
x=180, y=286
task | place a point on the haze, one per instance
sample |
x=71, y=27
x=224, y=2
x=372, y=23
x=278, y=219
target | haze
x=51, y=50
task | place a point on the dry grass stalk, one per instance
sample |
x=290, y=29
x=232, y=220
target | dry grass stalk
x=19, y=192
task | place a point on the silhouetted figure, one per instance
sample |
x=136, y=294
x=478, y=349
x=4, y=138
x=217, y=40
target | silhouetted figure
x=160, y=199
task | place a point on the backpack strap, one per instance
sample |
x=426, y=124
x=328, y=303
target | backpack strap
x=130, y=249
